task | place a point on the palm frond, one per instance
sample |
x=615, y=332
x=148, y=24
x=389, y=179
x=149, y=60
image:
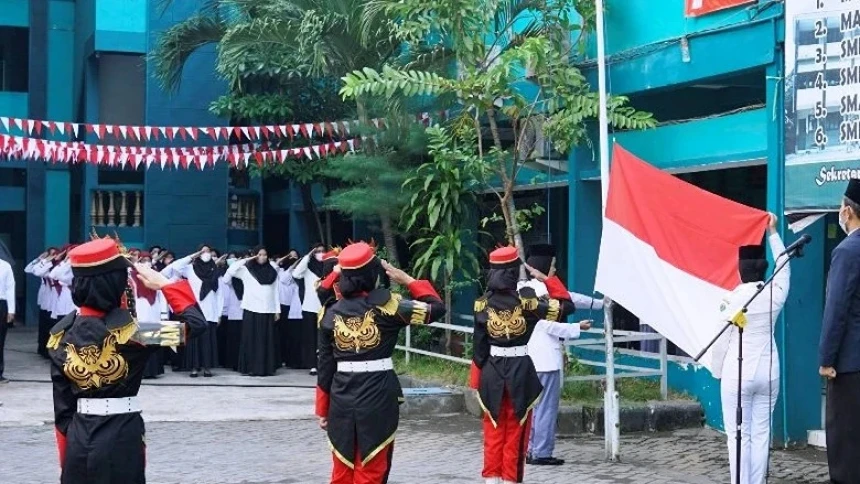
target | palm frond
x=174, y=46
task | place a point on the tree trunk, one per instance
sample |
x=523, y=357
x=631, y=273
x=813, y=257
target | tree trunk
x=448, y=319
x=509, y=209
x=308, y=202
x=390, y=239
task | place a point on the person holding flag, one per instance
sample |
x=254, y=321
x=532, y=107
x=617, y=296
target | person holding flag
x=760, y=377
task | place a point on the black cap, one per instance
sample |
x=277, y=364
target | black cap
x=852, y=191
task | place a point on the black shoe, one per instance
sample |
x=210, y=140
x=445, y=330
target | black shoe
x=546, y=461
x=193, y=374
x=207, y=374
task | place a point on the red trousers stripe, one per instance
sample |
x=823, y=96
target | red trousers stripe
x=374, y=472
x=505, y=445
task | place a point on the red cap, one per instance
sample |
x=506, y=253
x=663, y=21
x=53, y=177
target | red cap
x=96, y=257
x=331, y=254
x=504, y=257
x=356, y=256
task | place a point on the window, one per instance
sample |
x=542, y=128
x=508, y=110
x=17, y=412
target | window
x=14, y=59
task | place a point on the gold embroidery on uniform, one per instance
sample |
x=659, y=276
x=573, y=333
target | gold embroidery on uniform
x=419, y=312
x=480, y=305
x=529, y=303
x=123, y=334
x=554, y=310
x=93, y=367
x=356, y=333
x=320, y=315
x=506, y=324
x=54, y=340
x=390, y=308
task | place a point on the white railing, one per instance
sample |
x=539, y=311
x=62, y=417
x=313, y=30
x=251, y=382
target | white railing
x=627, y=371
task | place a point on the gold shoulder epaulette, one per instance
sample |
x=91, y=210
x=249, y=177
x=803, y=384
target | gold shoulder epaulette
x=54, y=340
x=480, y=304
x=320, y=315
x=529, y=303
x=390, y=307
x=124, y=333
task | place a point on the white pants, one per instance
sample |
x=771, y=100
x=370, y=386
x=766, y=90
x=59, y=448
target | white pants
x=757, y=407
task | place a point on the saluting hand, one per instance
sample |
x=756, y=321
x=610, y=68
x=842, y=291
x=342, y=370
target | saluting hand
x=827, y=372
x=397, y=275
x=323, y=423
x=771, y=226
x=150, y=277
x=585, y=325
x=535, y=273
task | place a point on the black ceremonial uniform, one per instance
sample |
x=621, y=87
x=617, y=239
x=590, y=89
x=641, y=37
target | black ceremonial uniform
x=363, y=408
x=508, y=320
x=95, y=357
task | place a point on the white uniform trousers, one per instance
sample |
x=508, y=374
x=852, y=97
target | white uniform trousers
x=755, y=431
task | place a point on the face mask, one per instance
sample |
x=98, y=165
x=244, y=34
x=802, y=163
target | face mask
x=318, y=256
x=206, y=257
x=261, y=259
x=147, y=263
x=230, y=261
x=843, y=223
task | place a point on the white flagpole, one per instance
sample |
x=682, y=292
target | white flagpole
x=611, y=415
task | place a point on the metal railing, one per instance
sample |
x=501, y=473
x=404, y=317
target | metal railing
x=627, y=371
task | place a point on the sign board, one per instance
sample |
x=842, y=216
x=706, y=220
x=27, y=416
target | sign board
x=694, y=8
x=822, y=102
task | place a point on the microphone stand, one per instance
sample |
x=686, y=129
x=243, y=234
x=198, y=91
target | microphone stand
x=739, y=320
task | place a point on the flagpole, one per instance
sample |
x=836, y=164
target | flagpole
x=610, y=396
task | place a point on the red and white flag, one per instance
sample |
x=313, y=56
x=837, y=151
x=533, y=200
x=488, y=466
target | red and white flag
x=669, y=250
x=694, y=8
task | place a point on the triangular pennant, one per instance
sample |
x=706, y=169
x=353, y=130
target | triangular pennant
x=37, y=125
x=123, y=130
x=225, y=133
x=5, y=121
x=309, y=130
x=246, y=132
x=147, y=132
x=296, y=129
x=50, y=126
x=61, y=127
x=256, y=132
x=170, y=134
x=192, y=132
x=316, y=149
x=246, y=158
x=237, y=132
x=283, y=129
x=136, y=131
x=259, y=157
x=18, y=123
x=307, y=151
x=108, y=128
x=271, y=130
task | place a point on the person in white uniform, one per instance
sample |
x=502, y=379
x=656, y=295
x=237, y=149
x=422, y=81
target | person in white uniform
x=261, y=310
x=150, y=306
x=203, y=274
x=43, y=298
x=61, y=274
x=760, y=377
x=310, y=269
x=289, y=328
x=546, y=349
x=7, y=308
x=232, y=290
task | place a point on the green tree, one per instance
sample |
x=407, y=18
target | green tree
x=264, y=45
x=442, y=195
x=513, y=67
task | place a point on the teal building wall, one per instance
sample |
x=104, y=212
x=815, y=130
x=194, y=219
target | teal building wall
x=671, y=65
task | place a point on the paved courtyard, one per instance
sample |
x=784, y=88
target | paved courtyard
x=263, y=432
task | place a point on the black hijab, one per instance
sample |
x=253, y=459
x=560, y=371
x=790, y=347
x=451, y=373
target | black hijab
x=503, y=280
x=263, y=273
x=208, y=274
x=366, y=280
x=316, y=266
x=102, y=292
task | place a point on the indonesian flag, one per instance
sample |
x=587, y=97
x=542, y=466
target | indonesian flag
x=669, y=250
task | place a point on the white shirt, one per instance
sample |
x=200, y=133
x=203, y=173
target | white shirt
x=157, y=311
x=46, y=290
x=63, y=304
x=311, y=304
x=545, y=348
x=7, y=286
x=257, y=298
x=757, y=339
x=290, y=293
x=211, y=305
x=232, y=303
x=42, y=295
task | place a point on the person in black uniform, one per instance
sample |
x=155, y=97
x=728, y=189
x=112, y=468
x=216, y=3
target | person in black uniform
x=358, y=393
x=98, y=355
x=502, y=371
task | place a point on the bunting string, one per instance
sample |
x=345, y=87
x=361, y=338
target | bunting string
x=133, y=157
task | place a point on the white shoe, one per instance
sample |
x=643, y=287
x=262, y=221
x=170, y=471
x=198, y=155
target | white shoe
x=494, y=480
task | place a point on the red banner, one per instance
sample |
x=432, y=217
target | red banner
x=694, y=8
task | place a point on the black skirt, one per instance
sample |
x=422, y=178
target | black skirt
x=45, y=325
x=221, y=334
x=202, y=352
x=233, y=338
x=154, y=365
x=843, y=427
x=308, y=341
x=257, y=348
x=105, y=450
x=292, y=332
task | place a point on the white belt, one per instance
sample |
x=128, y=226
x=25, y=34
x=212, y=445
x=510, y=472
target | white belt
x=510, y=352
x=108, y=406
x=384, y=364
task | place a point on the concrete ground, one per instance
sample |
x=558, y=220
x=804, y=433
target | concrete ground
x=240, y=430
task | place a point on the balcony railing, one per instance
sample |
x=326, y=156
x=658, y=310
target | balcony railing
x=242, y=212
x=116, y=208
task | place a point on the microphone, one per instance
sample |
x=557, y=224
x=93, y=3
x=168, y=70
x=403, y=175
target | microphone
x=803, y=240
